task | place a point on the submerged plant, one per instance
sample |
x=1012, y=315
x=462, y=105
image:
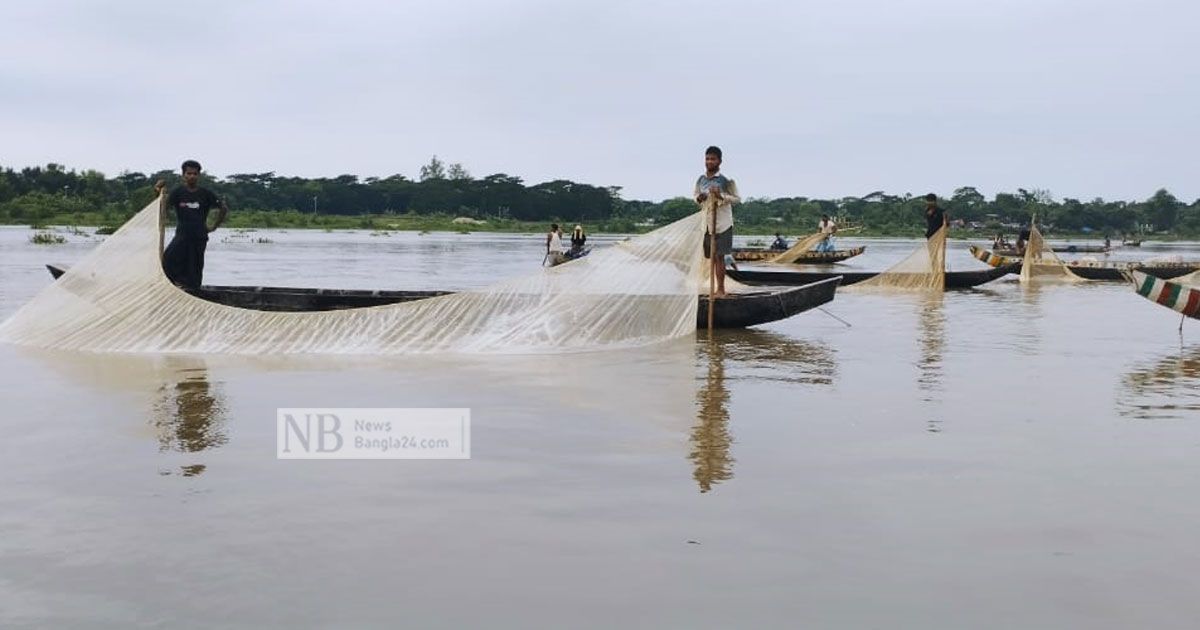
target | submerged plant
x=47, y=238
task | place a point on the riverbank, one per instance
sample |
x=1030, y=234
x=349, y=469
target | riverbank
x=447, y=223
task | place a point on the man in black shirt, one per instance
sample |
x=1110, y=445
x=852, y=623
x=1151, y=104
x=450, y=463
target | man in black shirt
x=183, y=259
x=934, y=217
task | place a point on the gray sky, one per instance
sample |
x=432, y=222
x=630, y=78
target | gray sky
x=825, y=99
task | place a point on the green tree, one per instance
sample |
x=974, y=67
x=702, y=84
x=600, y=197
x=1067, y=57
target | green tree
x=434, y=170
x=1162, y=210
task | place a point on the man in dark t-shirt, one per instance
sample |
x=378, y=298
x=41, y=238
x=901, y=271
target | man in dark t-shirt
x=183, y=259
x=934, y=217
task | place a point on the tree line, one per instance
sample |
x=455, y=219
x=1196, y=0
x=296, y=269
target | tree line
x=54, y=193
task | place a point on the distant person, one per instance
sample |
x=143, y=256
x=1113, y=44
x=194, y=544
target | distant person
x=780, y=243
x=1107, y=242
x=828, y=228
x=554, y=250
x=935, y=218
x=578, y=239
x=724, y=193
x=183, y=259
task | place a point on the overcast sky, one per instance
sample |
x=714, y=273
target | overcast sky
x=826, y=99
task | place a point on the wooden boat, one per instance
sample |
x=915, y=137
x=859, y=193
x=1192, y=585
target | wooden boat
x=1173, y=295
x=735, y=311
x=568, y=256
x=745, y=254
x=1060, y=249
x=954, y=279
x=1109, y=271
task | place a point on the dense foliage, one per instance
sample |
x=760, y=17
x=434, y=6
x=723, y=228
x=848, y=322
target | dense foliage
x=38, y=195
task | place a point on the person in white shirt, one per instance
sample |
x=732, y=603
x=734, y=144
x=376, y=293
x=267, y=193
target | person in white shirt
x=716, y=194
x=554, y=250
x=828, y=228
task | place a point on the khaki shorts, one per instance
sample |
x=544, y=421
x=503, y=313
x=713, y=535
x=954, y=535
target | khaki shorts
x=724, y=243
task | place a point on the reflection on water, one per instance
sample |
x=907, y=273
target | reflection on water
x=744, y=355
x=190, y=413
x=710, y=439
x=766, y=356
x=1165, y=388
x=931, y=335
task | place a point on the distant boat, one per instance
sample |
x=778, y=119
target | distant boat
x=1061, y=249
x=752, y=254
x=954, y=279
x=1110, y=271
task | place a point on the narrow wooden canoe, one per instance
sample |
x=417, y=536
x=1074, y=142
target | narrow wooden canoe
x=1173, y=295
x=1111, y=271
x=1062, y=249
x=735, y=311
x=954, y=279
x=807, y=258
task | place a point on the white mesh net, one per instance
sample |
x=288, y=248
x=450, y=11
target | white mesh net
x=924, y=269
x=1041, y=263
x=802, y=246
x=117, y=299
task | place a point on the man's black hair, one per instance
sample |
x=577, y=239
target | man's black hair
x=190, y=164
x=553, y=226
x=931, y=197
x=714, y=150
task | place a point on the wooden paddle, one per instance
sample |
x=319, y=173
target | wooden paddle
x=162, y=217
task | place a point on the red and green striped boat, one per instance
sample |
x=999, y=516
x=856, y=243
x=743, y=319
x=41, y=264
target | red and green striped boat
x=1173, y=295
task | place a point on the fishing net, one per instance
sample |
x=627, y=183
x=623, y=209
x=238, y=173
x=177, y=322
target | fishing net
x=924, y=269
x=117, y=299
x=802, y=246
x=1041, y=263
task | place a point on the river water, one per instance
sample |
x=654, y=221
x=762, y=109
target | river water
x=1002, y=457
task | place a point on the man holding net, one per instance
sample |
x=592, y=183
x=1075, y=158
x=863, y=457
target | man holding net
x=183, y=259
x=716, y=194
x=935, y=217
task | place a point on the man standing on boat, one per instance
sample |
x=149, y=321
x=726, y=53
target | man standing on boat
x=183, y=259
x=935, y=218
x=554, y=250
x=724, y=194
x=828, y=228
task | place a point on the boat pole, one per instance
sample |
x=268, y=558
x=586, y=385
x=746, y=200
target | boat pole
x=162, y=221
x=712, y=260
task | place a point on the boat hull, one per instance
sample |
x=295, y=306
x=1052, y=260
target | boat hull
x=1109, y=272
x=734, y=311
x=807, y=258
x=954, y=279
x=1173, y=295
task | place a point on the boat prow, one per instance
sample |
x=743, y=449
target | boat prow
x=1176, y=296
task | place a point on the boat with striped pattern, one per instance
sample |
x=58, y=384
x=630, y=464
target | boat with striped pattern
x=1176, y=296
